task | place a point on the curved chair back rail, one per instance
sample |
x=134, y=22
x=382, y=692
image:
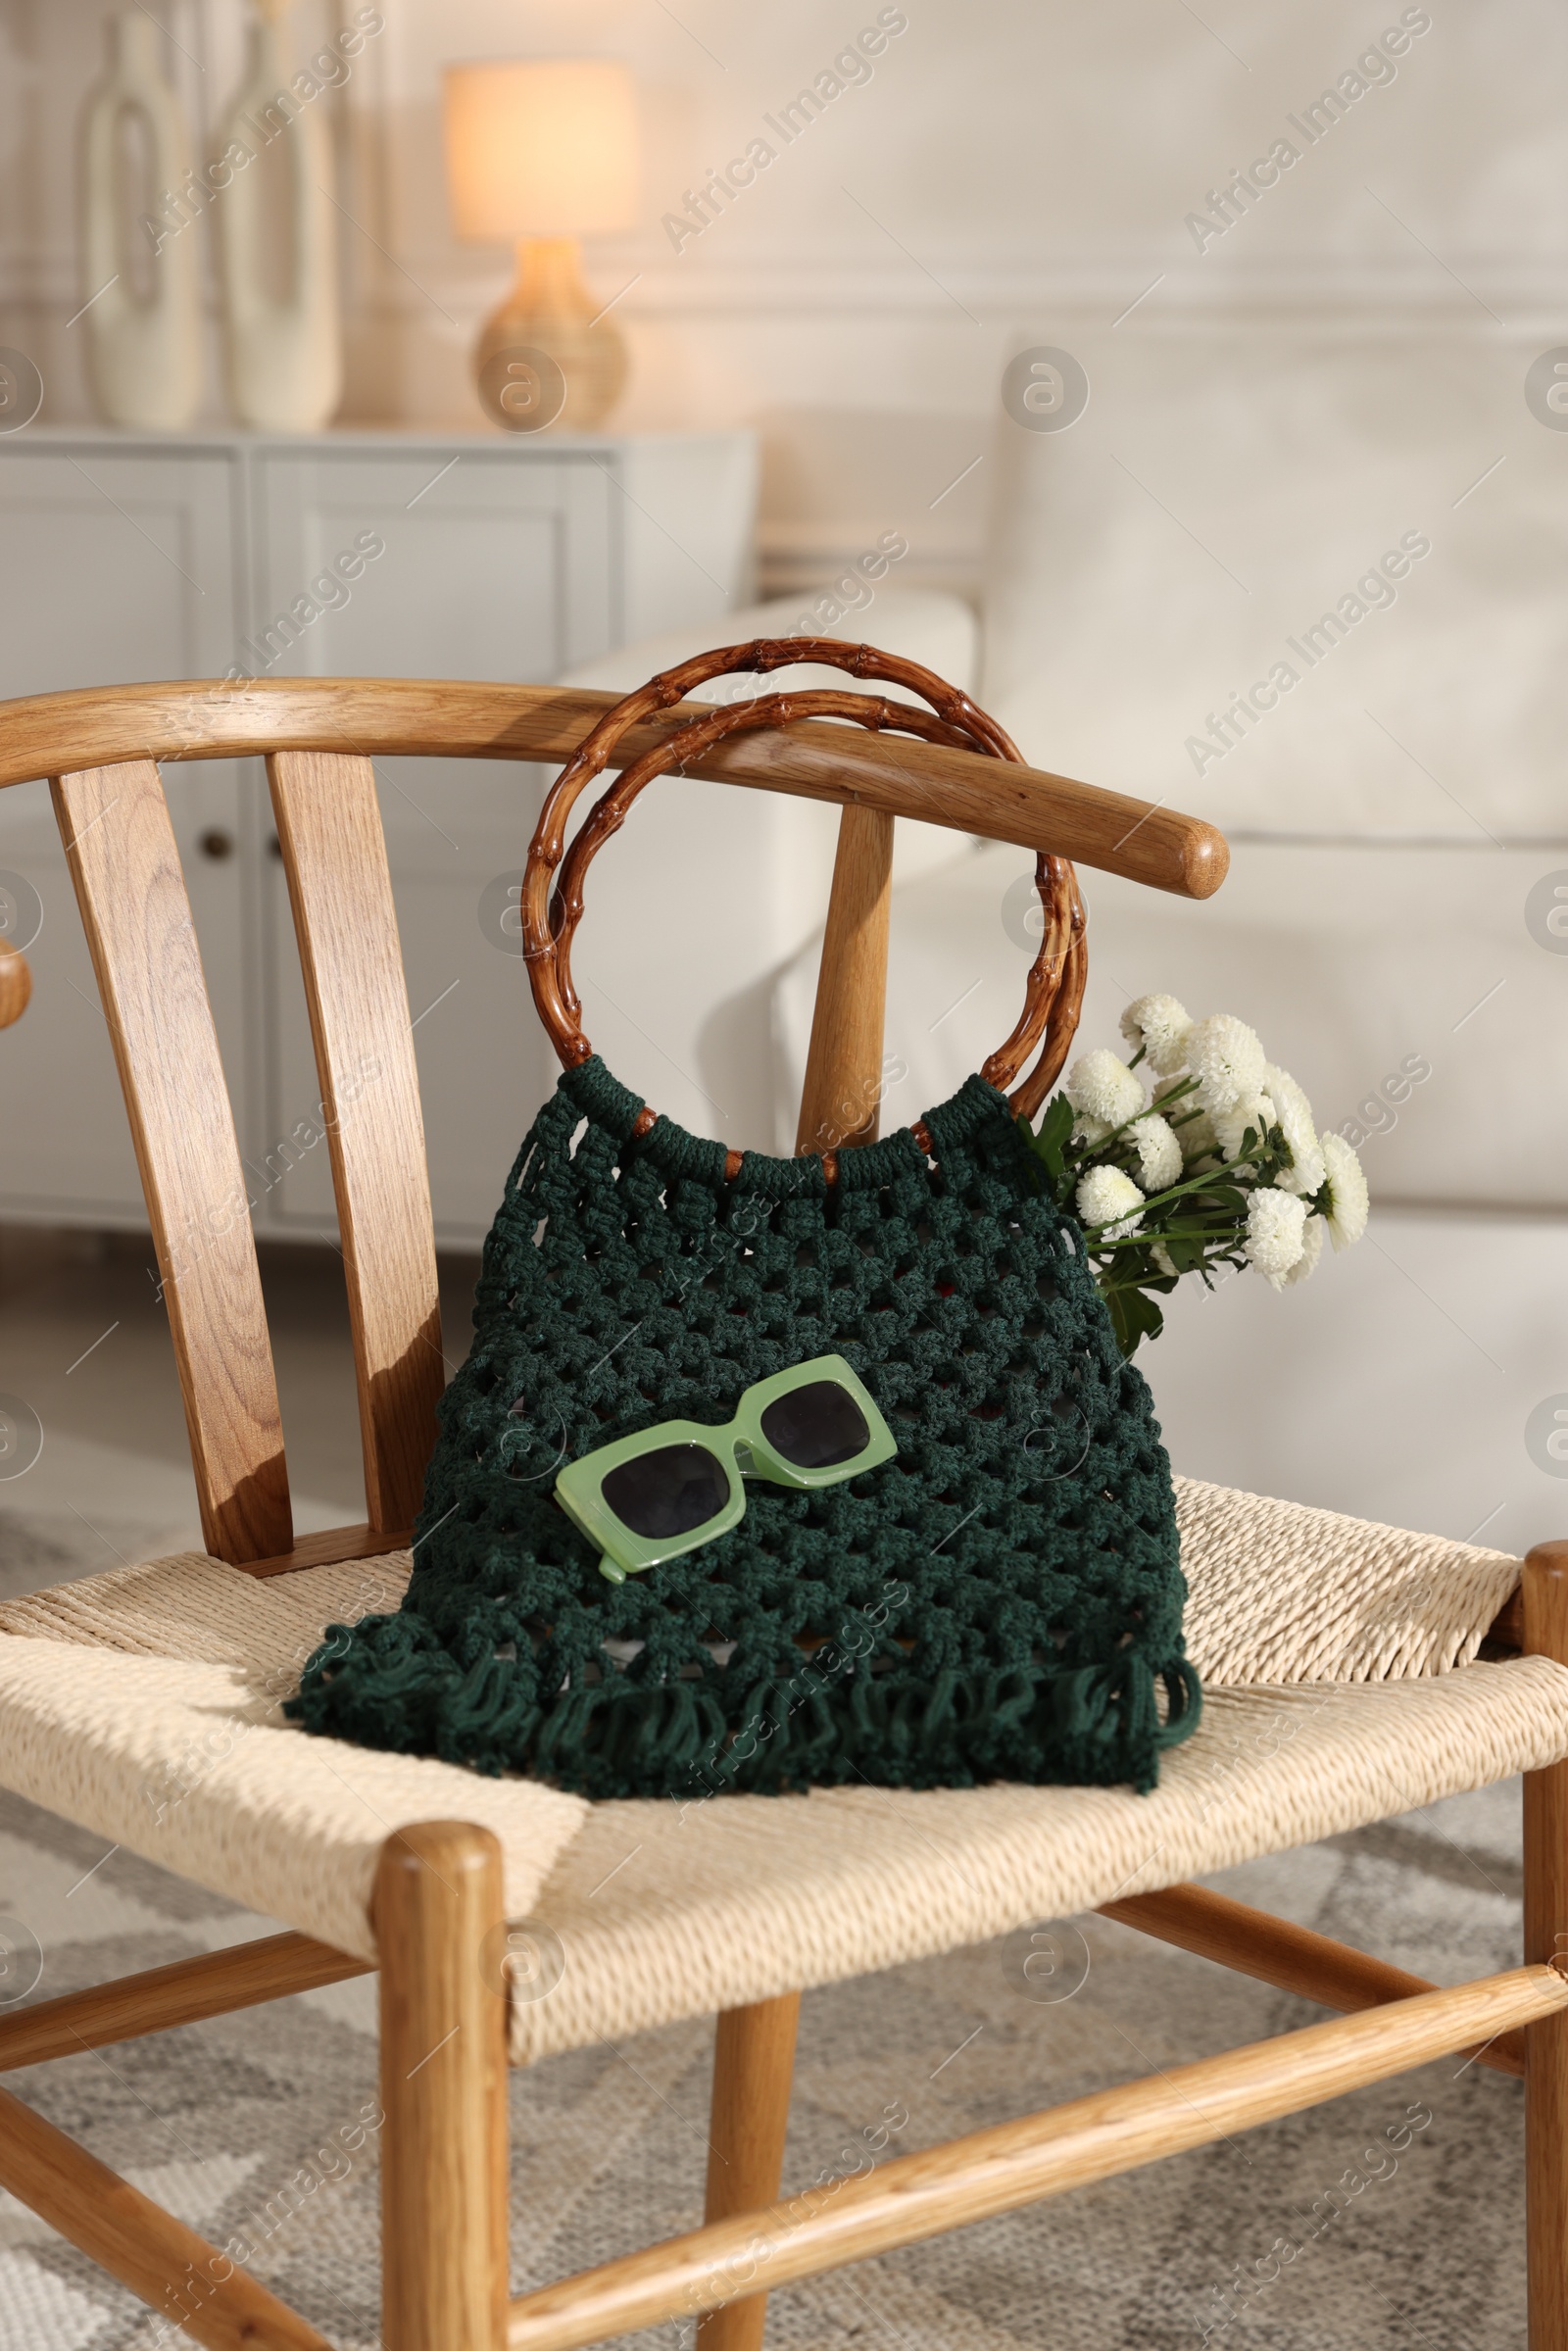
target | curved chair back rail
x=101, y=751
x=378, y=718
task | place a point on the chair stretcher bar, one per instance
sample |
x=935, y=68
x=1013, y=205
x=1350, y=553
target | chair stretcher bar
x=1274, y=1950
x=185, y=1992
x=998, y=2171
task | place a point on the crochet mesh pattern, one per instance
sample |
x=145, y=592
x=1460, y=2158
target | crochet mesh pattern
x=1003, y=1600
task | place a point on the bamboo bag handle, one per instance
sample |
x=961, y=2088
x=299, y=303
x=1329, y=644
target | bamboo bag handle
x=1054, y=992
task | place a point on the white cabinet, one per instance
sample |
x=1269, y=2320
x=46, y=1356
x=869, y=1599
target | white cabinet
x=118, y=560
x=125, y=557
x=509, y=567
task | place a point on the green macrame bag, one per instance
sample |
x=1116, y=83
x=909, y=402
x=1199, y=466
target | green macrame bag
x=1000, y=1599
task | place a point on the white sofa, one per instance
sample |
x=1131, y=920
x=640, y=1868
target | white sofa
x=1391, y=816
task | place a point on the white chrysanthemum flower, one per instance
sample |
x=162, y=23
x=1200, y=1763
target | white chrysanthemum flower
x=1091, y=1131
x=1230, y=1126
x=1189, y=1121
x=1295, y=1114
x=1347, y=1194
x=1163, y=1259
x=1311, y=1251
x=1160, y=1154
x=1276, y=1228
x=1227, y=1059
x=1108, y=1196
x=1104, y=1087
x=1160, y=1027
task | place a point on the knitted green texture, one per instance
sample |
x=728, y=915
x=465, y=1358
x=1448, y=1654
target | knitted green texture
x=1002, y=1600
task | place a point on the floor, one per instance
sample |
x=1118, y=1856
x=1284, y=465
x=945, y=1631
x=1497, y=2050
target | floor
x=1387, y=2221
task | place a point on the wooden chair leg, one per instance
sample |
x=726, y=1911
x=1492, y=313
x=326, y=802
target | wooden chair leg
x=444, y=2153
x=753, y=2064
x=1545, y=1634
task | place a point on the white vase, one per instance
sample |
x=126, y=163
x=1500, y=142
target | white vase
x=283, y=352
x=143, y=320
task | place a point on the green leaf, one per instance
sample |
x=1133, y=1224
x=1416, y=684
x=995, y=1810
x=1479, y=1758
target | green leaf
x=1048, y=1144
x=1055, y=1130
x=1134, y=1316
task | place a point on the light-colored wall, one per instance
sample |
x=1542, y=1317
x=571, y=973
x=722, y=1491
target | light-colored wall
x=1007, y=165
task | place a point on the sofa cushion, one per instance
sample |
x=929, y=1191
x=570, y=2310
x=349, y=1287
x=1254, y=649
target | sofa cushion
x=920, y=624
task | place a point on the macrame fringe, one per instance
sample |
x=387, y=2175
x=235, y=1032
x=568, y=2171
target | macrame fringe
x=1098, y=1725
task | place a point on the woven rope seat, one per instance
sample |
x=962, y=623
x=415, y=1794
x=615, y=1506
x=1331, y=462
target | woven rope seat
x=1340, y=1660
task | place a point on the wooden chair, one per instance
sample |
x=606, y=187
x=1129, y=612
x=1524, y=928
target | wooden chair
x=1382, y=1703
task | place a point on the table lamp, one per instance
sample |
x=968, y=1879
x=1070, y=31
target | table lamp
x=544, y=150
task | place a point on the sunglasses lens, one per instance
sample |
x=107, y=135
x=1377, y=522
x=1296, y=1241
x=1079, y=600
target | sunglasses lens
x=671, y=1492
x=816, y=1427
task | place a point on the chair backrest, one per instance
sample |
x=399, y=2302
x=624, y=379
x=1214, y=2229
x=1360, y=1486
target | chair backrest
x=101, y=751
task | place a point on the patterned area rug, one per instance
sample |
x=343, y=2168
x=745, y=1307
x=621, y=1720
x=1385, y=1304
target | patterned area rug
x=1389, y=2221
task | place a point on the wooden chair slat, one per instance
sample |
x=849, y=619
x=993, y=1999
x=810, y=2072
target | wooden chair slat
x=124, y=864
x=841, y=1096
x=342, y=894
x=335, y=855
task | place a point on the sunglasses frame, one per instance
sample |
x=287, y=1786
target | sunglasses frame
x=579, y=1487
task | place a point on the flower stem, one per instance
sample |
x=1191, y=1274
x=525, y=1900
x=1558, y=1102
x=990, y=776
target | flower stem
x=1157, y=1199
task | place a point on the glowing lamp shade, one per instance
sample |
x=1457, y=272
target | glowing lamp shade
x=544, y=150
x=541, y=147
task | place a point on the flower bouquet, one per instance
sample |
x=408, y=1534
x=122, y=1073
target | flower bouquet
x=1219, y=1164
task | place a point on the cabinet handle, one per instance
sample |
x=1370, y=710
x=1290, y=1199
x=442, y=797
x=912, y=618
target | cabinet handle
x=216, y=842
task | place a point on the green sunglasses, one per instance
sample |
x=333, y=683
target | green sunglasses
x=673, y=1487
